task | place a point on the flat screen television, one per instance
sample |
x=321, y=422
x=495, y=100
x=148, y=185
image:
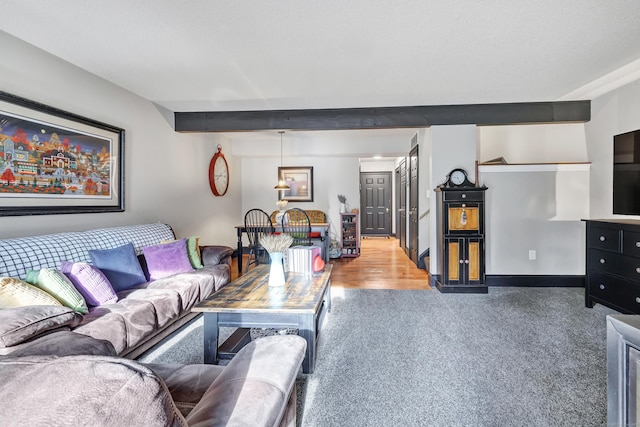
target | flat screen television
x=626, y=173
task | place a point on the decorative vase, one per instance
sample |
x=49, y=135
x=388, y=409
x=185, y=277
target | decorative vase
x=276, y=272
x=343, y=207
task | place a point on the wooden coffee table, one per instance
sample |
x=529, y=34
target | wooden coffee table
x=249, y=302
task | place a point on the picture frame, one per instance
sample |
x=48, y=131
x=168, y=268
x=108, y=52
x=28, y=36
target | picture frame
x=56, y=162
x=300, y=182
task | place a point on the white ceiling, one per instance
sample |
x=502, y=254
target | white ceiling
x=201, y=55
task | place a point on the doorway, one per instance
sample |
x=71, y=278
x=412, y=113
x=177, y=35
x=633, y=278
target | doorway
x=413, y=204
x=375, y=202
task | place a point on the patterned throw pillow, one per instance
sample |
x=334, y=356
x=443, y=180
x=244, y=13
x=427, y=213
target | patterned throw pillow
x=167, y=259
x=193, y=249
x=58, y=285
x=120, y=265
x=90, y=282
x=16, y=293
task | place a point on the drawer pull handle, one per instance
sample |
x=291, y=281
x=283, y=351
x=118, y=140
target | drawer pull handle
x=638, y=300
x=602, y=286
x=602, y=261
x=464, y=196
x=637, y=244
x=637, y=269
x=602, y=238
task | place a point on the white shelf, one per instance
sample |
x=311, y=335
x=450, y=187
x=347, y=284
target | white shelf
x=536, y=167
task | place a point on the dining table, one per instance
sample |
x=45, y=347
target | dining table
x=316, y=227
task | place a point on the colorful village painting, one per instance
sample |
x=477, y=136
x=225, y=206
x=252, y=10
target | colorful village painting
x=38, y=159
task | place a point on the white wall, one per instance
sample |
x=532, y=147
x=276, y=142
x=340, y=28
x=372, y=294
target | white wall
x=539, y=143
x=611, y=114
x=165, y=172
x=451, y=147
x=539, y=209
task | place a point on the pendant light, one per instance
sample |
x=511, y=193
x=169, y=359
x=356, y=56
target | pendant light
x=281, y=184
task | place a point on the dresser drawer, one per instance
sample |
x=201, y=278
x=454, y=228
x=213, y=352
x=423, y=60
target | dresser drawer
x=463, y=196
x=604, y=238
x=620, y=292
x=631, y=243
x=617, y=264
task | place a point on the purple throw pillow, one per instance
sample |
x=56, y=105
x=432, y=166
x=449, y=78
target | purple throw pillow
x=167, y=259
x=90, y=282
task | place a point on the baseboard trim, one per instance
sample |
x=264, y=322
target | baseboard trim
x=537, y=280
x=543, y=280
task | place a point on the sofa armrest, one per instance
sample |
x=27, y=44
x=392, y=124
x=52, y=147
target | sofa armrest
x=215, y=254
x=255, y=388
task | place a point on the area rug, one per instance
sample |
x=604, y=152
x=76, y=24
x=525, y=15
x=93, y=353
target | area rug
x=512, y=357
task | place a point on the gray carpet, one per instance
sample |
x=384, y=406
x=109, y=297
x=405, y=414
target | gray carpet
x=513, y=357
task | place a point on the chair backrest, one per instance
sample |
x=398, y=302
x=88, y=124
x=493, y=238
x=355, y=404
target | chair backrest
x=295, y=222
x=257, y=224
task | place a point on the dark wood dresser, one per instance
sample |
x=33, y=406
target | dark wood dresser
x=613, y=264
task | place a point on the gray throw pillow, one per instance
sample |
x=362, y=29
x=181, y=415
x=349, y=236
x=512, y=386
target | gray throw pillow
x=21, y=324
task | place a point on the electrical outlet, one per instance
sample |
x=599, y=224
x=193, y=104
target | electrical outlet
x=532, y=255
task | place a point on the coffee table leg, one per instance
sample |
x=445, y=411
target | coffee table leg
x=211, y=338
x=307, y=330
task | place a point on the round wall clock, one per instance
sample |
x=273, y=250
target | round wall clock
x=219, y=173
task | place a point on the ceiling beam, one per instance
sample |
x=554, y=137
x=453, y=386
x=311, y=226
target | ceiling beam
x=384, y=117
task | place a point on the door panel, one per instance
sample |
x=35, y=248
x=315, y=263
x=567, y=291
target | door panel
x=402, y=207
x=454, y=260
x=375, y=203
x=474, y=260
x=413, y=204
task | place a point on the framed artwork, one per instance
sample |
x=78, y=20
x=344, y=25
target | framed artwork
x=56, y=162
x=300, y=182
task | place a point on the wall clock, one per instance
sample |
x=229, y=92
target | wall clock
x=219, y=173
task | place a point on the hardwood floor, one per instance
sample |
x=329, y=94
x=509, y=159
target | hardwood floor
x=381, y=265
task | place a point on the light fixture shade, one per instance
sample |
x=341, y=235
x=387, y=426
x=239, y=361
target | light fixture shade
x=281, y=186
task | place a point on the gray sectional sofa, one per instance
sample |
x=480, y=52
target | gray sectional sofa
x=143, y=314
x=61, y=367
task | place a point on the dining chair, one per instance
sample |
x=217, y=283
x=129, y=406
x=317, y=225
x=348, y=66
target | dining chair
x=296, y=223
x=257, y=224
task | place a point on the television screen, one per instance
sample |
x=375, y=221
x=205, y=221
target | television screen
x=626, y=173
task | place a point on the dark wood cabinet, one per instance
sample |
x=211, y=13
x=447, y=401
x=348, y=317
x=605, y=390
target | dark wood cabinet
x=461, y=240
x=613, y=264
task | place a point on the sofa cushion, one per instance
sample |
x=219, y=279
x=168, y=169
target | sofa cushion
x=21, y=324
x=120, y=265
x=65, y=343
x=186, y=383
x=202, y=281
x=90, y=282
x=58, y=285
x=166, y=303
x=91, y=391
x=167, y=259
x=103, y=324
x=16, y=293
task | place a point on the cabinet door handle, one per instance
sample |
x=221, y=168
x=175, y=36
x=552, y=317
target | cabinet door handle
x=602, y=286
x=602, y=261
x=602, y=238
x=461, y=261
x=466, y=261
x=637, y=269
x=638, y=300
